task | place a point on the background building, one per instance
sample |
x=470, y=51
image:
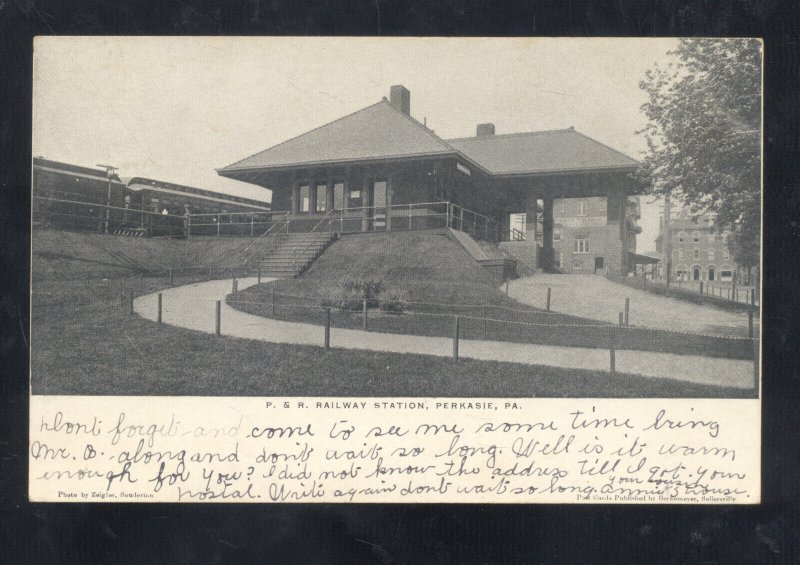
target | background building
x=698, y=248
x=587, y=234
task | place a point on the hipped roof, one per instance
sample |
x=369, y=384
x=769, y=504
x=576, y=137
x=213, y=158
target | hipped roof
x=383, y=132
x=541, y=152
x=379, y=131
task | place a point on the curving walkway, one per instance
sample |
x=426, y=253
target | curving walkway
x=597, y=298
x=193, y=306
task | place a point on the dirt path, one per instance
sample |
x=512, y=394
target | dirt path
x=600, y=299
x=192, y=306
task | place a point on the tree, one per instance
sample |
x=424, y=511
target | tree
x=704, y=135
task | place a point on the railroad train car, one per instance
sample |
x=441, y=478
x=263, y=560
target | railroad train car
x=70, y=196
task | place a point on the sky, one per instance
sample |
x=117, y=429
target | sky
x=176, y=109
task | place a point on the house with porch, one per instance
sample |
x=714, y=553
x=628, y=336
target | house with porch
x=380, y=169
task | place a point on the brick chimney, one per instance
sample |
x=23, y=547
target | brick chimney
x=484, y=130
x=400, y=98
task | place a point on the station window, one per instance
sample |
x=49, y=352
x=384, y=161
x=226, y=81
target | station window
x=710, y=254
x=696, y=254
x=696, y=237
x=582, y=208
x=726, y=254
x=321, y=198
x=681, y=236
x=305, y=198
x=577, y=265
x=602, y=205
x=680, y=253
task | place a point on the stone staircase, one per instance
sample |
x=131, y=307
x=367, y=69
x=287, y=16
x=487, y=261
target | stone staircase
x=291, y=254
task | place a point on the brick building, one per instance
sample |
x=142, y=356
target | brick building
x=698, y=248
x=588, y=238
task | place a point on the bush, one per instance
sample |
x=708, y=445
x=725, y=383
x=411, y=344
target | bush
x=349, y=295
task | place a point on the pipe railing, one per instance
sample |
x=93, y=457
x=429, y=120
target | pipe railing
x=283, y=221
x=308, y=245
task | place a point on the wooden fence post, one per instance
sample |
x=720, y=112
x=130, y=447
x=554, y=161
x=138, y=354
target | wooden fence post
x=159, y=307
x=235, y=285
x=130, y=301
x=364, y=317
x=549, y=290
x=750, y=323
x=327, y=328
x=486, y=319
x=259, y=275
x=273, y=302
x=612, y=358
x=218, y=319
x=627, y=311
x=455, y=337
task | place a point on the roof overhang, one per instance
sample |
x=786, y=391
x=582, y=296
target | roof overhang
x=639, y=259
x=231, y=172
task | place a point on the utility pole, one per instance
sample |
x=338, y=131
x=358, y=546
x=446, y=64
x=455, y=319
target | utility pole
x=110, y=174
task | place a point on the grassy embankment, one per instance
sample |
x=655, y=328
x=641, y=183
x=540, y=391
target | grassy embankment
x=427, y=269
x=84, y=342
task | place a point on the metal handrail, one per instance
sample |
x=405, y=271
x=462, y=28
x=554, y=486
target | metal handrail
x=284, y=220
x=518, y=235
x=294, y=249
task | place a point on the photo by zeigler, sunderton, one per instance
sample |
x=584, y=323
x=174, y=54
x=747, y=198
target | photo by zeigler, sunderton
x=448, y=226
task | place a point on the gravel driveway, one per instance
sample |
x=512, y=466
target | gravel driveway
x=597, y=298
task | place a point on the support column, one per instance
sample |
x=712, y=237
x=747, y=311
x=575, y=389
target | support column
x=623, y=233
x=547, y=234
x=389, y=179
x=531, y=229
x=312, y=197
x=365, y=216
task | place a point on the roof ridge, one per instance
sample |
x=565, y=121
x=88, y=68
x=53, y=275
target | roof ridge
x=285, y=141
x=513, y=134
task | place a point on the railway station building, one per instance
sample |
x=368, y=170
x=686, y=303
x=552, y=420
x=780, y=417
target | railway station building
x=379, y=168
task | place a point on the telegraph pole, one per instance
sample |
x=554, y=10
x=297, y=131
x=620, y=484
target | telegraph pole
x=667, y=238
x=110, y=174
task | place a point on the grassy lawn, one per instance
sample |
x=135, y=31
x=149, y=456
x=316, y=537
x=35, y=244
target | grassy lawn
x=65, y=255
x=83, y=342
x=426, y=269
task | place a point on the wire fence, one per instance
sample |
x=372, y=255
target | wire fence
x=729, y=297
x=488, y=322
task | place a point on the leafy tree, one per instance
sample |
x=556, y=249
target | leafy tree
x=704, y=135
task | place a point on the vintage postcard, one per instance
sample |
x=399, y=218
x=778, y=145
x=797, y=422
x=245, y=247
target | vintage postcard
x=396, y=270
